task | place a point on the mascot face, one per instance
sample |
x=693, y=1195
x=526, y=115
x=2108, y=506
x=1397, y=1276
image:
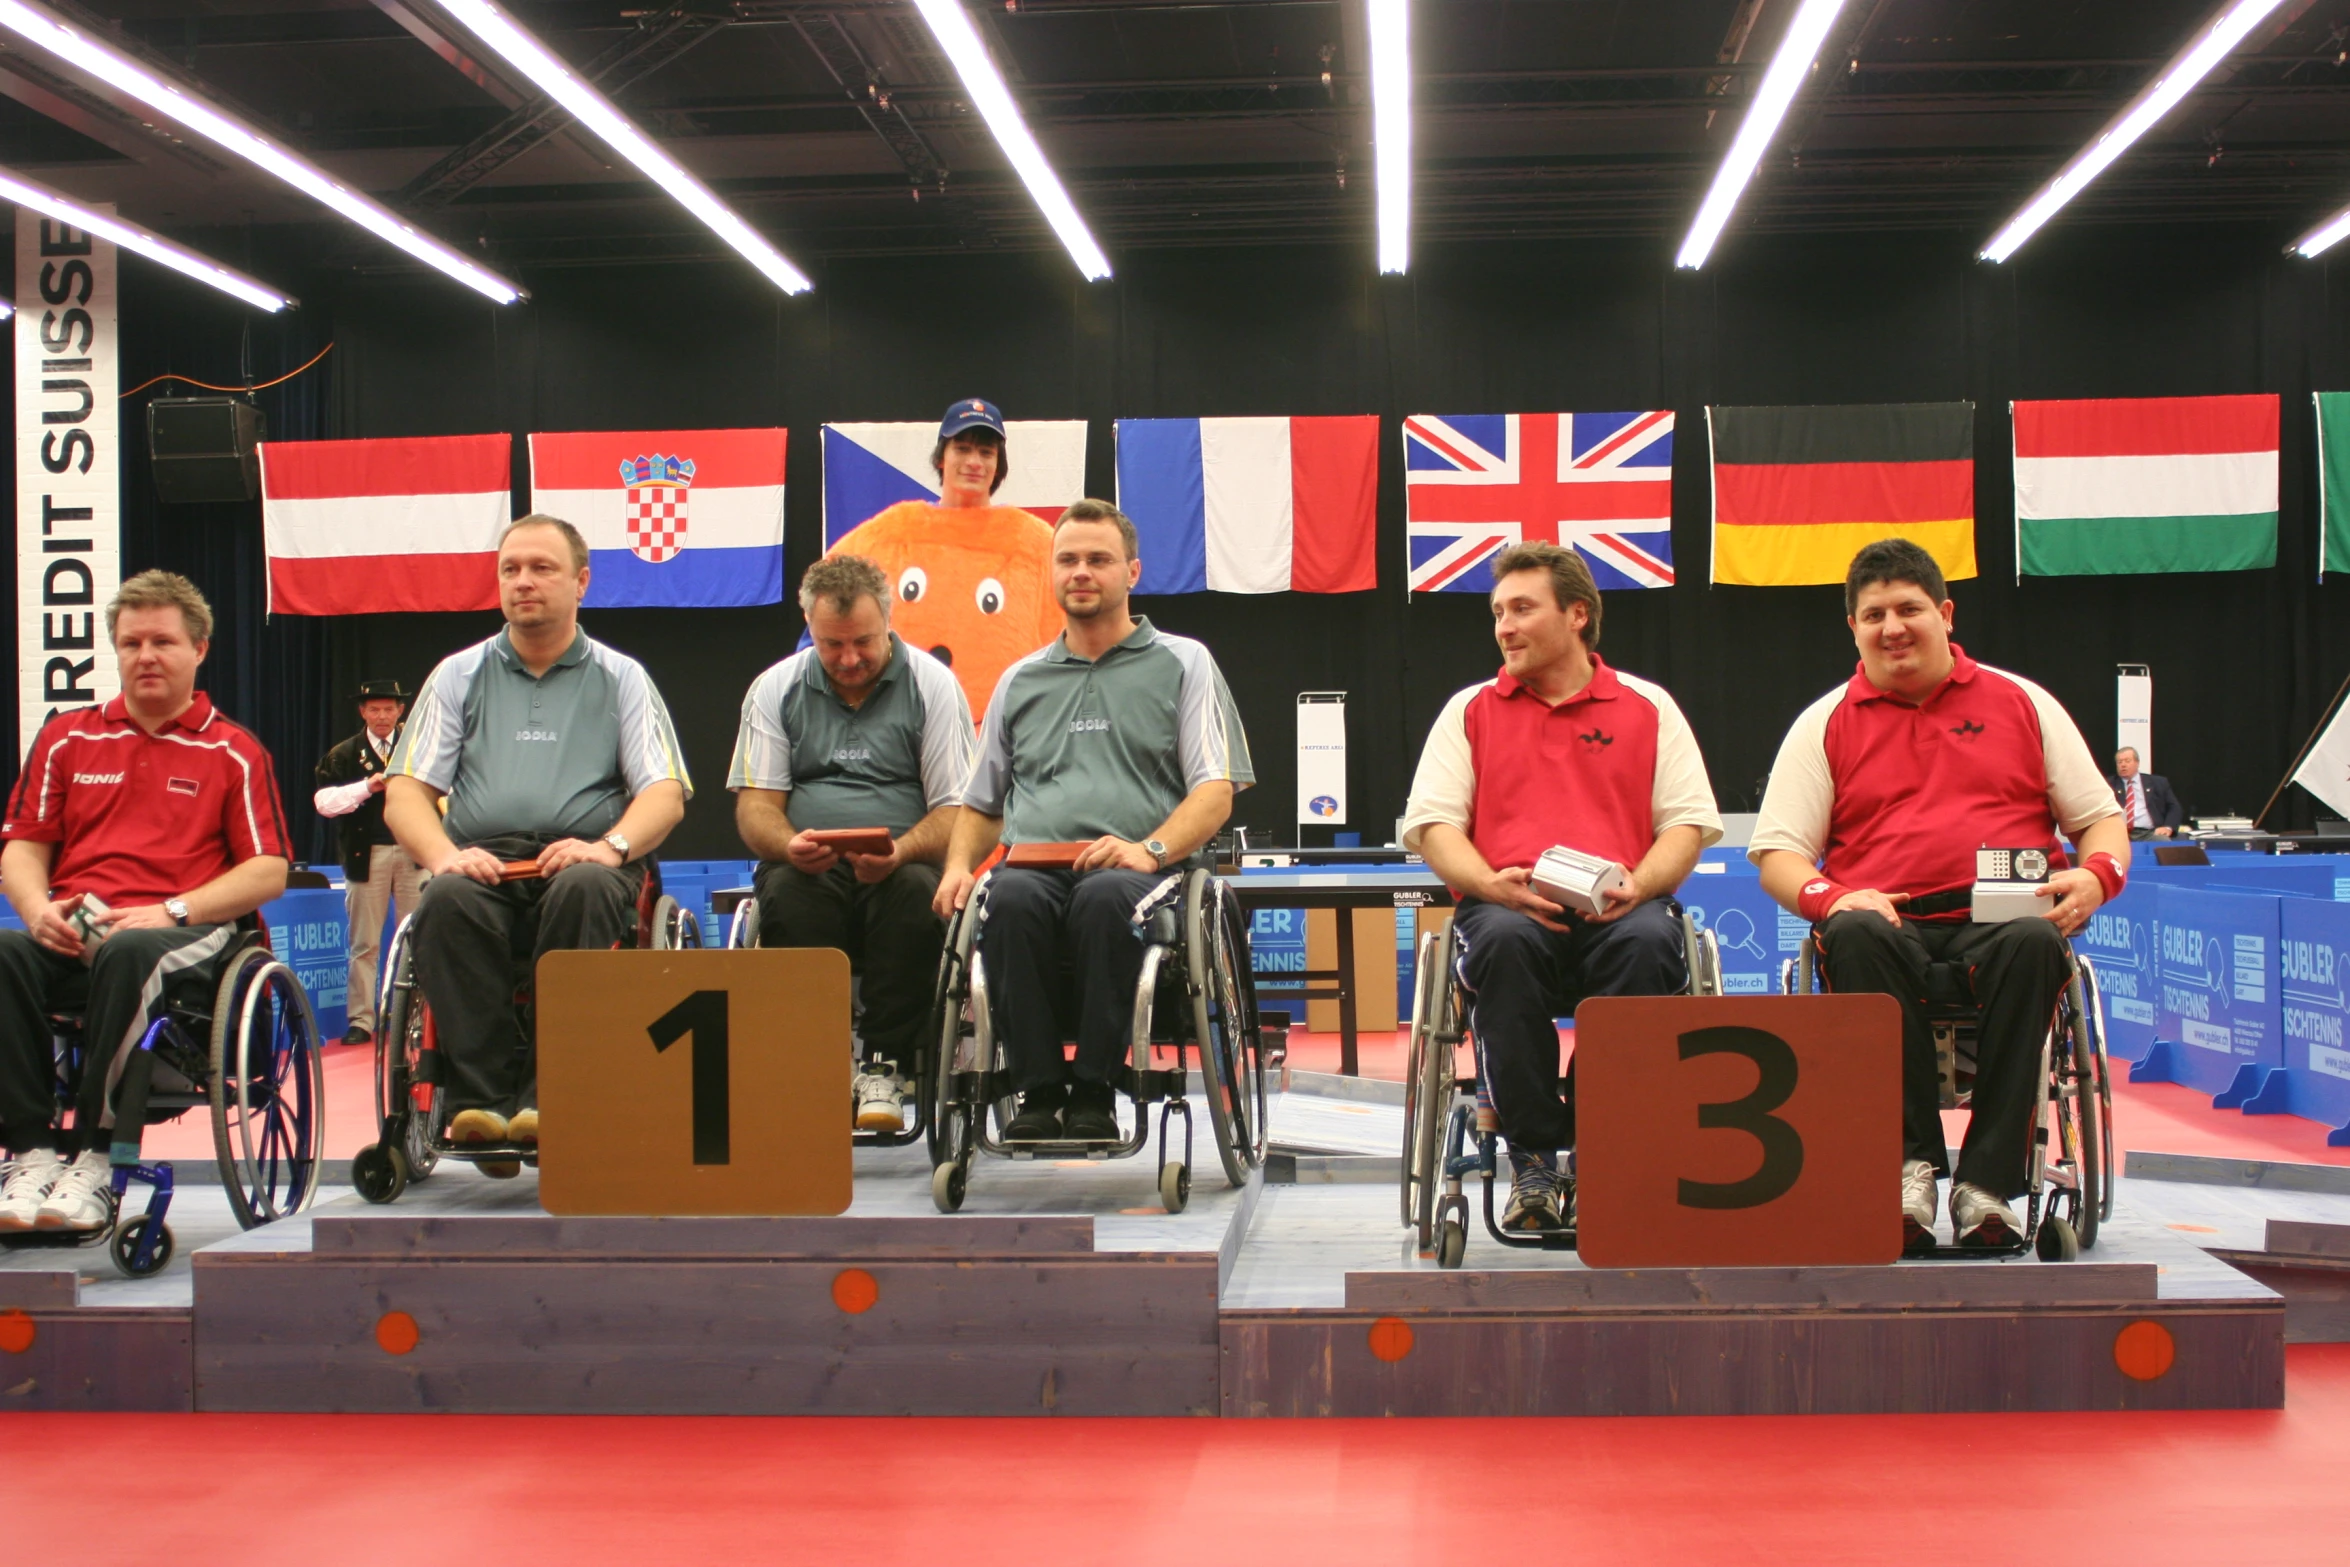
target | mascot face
x=967, y=586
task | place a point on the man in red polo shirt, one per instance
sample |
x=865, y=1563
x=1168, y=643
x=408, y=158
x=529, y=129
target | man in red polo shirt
x=166, y=813
x=1557, y=749
x=1883, y=790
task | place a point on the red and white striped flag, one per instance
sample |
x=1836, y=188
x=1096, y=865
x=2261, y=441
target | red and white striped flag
x=368, y=527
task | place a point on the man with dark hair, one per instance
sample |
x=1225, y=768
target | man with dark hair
x=377, y=873
x=856, y=730
x=1116, y=735
x=1558, y=749
x=2150, y=807
x=1883, y=790
x=140, y=832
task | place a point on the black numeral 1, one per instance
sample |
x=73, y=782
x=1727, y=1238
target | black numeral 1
x=702, y=1015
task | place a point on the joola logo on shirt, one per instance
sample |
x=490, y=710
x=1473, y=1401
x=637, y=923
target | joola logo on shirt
x=536, y=734
x=853, y=753
x=1086, y=726
x=1596, y=741
x=1967, y=731
x=97, y=778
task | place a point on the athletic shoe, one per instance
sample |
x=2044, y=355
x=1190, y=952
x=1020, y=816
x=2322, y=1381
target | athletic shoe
x=524, y=1128
x=1092, y=1116
x=484, y=1126
x=29, y=1182
x=83, y=1198
x=1980, y=1218
x=1039, y=1120
x=881, y=1099
x=1538, y=1193
x=1917, y=1204
x=356, y=1035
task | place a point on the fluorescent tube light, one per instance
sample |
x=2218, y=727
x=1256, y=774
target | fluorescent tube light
x=951, y=25
x=1765, y=112
x=7, y=309
x=56, y=204
x=2324, y=237
x=126, y=76
x=1391, y=129
x=592, y=109
x=2210, y=46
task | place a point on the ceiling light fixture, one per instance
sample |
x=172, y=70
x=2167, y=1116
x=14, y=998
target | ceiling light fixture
x=56, y=204
x=2211, y=45
x=1788, y=70
x=1391, y=129
x=2324, y=237
x=591, y=108
x=951, y=25
x=232, y=135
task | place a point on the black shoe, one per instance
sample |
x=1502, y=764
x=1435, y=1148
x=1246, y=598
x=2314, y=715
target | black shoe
x=1092, y=1114
x=355, y=1035
x=1039, y=1120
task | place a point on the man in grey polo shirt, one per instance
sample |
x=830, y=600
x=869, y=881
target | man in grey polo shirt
x=855, y=730
x=544, y=744
x=1112, y=734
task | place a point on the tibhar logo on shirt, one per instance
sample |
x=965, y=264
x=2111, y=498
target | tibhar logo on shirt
x=1968, y=730
x=1088, y=726
x=1595, y=742
x=97, y=778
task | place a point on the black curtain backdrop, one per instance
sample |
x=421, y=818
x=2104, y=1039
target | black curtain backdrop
x=2243, y=663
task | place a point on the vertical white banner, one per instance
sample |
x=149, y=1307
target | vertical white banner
x=68, y=470
x=2133, y=705
x=1321, y=758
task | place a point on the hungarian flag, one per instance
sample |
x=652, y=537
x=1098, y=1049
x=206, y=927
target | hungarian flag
x=1252, y=505
x=2128, y=484
x=367, y=527
x=1798, y=491
x=2333, y=474
x=673, y=518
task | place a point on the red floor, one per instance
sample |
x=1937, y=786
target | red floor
x=2081, y=1489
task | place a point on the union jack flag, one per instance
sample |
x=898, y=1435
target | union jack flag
x=1477, y=483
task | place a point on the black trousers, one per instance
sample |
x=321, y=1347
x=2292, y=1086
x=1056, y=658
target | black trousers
x=1035, y=919
x=128, y=982
x=887, y=929
x=1520, y=976
x=475, y=945
x=2016, y=972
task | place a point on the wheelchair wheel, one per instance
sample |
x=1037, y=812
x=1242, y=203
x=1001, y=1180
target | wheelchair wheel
x=123, y=1247
x=1428, y=1081
x=378, y=1173
x=674, y=926
x=1224, y=1020
x=2101, y=1080
x=1452, y=1243
x=2090, y=1135
x=2056, y=1241
x=268, y=1089
x=742, y=927
x=399, y=1055
x=954, y=1063
x=1175, y=1185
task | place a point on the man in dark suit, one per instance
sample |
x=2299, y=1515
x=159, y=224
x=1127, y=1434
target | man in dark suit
x=2148, y=804
x=376, y=870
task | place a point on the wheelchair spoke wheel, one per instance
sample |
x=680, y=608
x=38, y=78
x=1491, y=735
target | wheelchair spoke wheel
x=267, y=1089
x=399, y=1056
x=952, y=1111
x=2084, y=1102
x=1224, y=1009
x=2100, y=1068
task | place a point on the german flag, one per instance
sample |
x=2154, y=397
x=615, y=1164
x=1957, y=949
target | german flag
x=1798, y=491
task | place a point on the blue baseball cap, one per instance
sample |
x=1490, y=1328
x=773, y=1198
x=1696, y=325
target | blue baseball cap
x=972, y=413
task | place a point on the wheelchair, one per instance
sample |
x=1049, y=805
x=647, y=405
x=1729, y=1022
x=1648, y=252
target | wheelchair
x=741, y=907
x=1450, y=1127
x=250, y=1059
x=2069, y=1161
x=411, y=1114
x=1196, y=992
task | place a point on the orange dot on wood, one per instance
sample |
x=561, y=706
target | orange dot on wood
x=395, y=1332
x=854, y=1291
x=17, y=1332
x=1391, y=1338
x=2144, y=1351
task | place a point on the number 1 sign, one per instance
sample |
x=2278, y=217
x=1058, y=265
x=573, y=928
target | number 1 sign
x=1729, y=1131
x=694, y=1082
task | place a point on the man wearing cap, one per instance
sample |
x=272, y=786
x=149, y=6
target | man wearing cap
x=376, y=870
x=967, y=577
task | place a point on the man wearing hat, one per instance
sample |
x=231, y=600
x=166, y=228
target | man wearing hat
x=376, y=870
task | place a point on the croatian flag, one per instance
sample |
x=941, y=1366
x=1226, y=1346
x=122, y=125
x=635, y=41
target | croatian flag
x=370, y=527
x=871, y=467
x=673, y=518
x=1477, y=483
x=1253, y=505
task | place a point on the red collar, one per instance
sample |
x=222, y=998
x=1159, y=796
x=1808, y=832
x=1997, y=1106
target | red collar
x=195, y=720
x=1602, y=687
x=1962, y=671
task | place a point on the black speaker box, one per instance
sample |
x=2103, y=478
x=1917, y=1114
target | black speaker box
x=205, y=448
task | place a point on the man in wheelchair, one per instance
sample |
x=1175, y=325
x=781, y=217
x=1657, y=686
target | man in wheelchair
x=1557, y=749
x=141, y=830
x=1123, y=737
x=542, y=744
x=1883, y=790
x=857, y=730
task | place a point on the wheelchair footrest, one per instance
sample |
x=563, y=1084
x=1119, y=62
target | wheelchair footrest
x=1152, y=1086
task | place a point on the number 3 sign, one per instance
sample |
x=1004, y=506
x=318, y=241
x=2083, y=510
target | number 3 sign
x=694, y=1082
x=1728, y=1131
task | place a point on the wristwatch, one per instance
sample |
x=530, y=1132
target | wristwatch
x=1158, y=852
x=177, y=908
x=619, y=846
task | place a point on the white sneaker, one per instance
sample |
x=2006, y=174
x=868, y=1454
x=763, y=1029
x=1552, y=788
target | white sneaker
x=1917, y=1204
x=1980, y=1218
x=881, y=1101
x=83, y=1198
x=29, y=1181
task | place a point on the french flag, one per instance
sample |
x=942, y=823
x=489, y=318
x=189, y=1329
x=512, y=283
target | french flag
x=673, y=518
x=371, y=527
x=1253, y=505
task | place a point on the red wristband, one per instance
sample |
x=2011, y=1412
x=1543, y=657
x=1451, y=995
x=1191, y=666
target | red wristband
x=1818, y=897
x=2108, y=872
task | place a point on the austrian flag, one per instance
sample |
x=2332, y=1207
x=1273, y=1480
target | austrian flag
x=1475, y=484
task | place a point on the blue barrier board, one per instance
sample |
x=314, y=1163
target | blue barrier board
x=2313, y=967
x=2218, y=1011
